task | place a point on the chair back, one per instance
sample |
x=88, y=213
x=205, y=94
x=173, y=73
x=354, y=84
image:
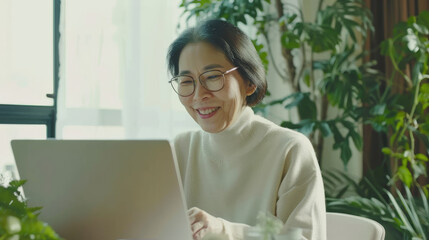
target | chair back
x=342, y=226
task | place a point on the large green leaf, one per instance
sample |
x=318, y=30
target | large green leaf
x=405, y=175
x=321, y=38
x=346, y=152
x=307, y=108
x=290, y=40
x=357, y=139
x=423, y=18
x=325, y=129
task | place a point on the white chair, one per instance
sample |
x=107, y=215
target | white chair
x=342, y=226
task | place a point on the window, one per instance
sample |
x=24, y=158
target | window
x=113, y=78
x=28, y=69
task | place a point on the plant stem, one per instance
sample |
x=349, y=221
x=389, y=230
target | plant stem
x=303, y=64
x=395, y=65
x=321, y=139
x=410, y=117
x=270, y=53
x=415, y=101
x=319, y=7
x=287, y=53
x=412, y=143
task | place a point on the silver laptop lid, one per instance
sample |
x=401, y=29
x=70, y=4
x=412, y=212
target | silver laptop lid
x=104, y=189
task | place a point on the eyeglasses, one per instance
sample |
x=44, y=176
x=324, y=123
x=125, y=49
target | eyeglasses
x=212, y=80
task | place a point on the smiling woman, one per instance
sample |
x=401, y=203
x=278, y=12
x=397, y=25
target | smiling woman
x=225, y=106
x=239, y=164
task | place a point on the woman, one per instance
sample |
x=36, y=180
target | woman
x=239, y=164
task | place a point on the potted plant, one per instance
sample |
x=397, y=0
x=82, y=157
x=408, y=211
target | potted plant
x=17, y=220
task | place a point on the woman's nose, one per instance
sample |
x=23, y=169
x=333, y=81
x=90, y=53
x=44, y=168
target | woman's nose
x=200, y=91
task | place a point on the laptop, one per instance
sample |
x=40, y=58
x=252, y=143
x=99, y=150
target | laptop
x=104, y=189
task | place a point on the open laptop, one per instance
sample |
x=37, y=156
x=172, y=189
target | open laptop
x=104, y=189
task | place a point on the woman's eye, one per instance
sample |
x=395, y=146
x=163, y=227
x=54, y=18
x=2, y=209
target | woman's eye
x=213, y=77
x=186, y=82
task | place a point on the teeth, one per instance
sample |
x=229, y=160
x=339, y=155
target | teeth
x=207, y=111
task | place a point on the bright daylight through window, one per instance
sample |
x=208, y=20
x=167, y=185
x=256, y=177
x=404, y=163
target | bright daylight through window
x=26, y=72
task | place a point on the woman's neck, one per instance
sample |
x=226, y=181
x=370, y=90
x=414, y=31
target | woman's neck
x=234, y=134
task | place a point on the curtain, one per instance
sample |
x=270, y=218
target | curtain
x=386, y=14
x=113, y=73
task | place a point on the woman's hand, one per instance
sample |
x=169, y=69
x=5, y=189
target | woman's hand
x=203, y=223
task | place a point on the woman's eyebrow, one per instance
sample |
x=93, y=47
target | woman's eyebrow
x=208, y=67
x=211, y=66
x=184, y=72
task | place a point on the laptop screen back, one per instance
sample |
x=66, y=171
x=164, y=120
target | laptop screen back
x=104, y=189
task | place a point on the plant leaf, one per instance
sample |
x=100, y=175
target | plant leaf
x=401, y=214
x=325, y=129
x=405, y=175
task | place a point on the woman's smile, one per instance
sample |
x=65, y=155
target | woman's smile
x=207, y=112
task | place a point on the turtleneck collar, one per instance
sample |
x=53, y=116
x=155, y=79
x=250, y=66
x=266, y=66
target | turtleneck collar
x=235, y=133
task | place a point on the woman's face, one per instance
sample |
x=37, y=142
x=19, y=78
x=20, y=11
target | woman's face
x=213, y=111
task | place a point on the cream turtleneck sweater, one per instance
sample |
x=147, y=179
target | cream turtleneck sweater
x=252, y=166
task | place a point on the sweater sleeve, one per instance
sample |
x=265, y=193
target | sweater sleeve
x=234, y=231
x=301, y=198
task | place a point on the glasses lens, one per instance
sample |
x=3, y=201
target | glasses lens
x=183, y=85
x=212, y=80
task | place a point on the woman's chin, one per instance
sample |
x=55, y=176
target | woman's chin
x=211, y=128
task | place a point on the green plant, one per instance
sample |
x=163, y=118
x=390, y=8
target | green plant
x=17, y=220
x=329, y=72
x=402, y=115
x=406, y=117
x=403, y=216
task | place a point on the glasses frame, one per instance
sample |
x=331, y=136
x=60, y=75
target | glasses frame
x=199, y=79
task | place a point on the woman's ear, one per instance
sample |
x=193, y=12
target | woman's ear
x=251, y=88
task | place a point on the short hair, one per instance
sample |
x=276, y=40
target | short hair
x=236, y=46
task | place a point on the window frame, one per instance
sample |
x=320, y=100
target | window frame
x=32, y=114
